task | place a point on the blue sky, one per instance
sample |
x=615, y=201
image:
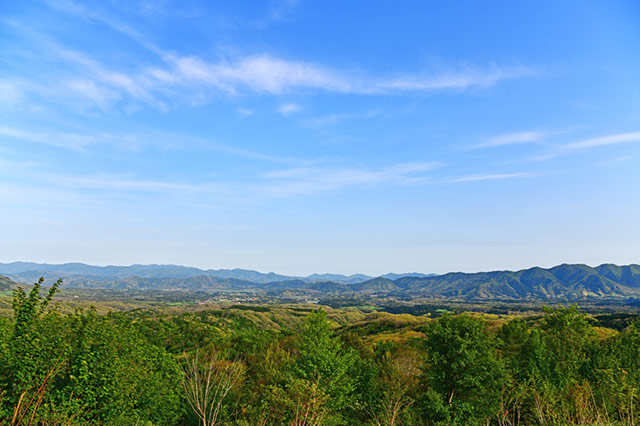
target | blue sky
x=301, y=137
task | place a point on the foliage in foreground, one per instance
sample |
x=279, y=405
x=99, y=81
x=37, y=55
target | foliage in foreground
x=222, y=369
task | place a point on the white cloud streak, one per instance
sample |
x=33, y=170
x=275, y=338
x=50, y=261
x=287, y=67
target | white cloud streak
x=303, y=181
x=604, y=140
x=12, y=165
x=328, y=120
x=134, y=142
x=174, y=78
x=274, y=185
x=520, y=138
x=585, y=144
x=288, y=109
x=166, y=78
x=131, y=183
x=512, y=139
x=272, y=75
x=73, y=141
x=452, y=80
x=245, y=112
x=277, y=184
x=262, y=74
x=92, y=14
x=497, y=176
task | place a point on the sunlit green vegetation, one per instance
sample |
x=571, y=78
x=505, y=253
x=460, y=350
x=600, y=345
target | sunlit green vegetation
x=238, y=364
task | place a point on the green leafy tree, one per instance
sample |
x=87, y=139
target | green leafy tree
x=113, y=376
x=614, y=374
x=463, y=376
x=523, y=353
x=82, y=368
x=397, y=379
x=35, y=350
x=323, y=360
x=318, y=387
x=567, y=336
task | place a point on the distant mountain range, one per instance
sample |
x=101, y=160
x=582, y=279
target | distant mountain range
x=560, y=282
x=30, y=271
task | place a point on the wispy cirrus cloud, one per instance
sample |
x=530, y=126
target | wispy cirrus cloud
x=520, y=138
x=7, y=164
x=131, y=183
x=279, y=184
x=268, y=74
x=493, y=176
x=10, y=94
x=273, y=185
x=92, y=78
x=512, y=139
x=461, y=79
x=166, y=78
x=93, y=12
x=80, y=142
x=245, y=112
x=328, y=120
x=83, y=141
x=305, y=180
x=283, y=183
x=586, y=144
x=73, y=141
x=288, y=109
x=613, y=139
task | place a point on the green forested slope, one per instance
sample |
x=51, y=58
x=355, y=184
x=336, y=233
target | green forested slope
x=291, y=365
x=6, y=283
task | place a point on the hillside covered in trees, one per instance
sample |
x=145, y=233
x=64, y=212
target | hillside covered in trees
x=6, y=283
x=571, y=282
x=309, y=365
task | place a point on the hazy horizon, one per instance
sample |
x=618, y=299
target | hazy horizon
x=301, y=137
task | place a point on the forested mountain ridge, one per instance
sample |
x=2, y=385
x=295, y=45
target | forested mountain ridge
x=566, y=281
x=562, y=281
x=6, y=283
